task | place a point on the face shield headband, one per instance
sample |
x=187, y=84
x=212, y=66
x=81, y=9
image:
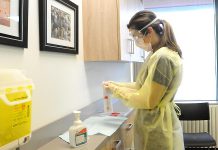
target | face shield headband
x=153, y=21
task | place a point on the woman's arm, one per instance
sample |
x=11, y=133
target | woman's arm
x=153, y=89
x=130, y=85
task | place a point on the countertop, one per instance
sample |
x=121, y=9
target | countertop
x=47, y=138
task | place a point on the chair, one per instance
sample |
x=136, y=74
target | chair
x=197, y=111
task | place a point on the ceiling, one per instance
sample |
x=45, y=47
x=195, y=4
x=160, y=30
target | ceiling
x=173, y=3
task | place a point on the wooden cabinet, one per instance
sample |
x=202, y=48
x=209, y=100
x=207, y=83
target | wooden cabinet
x=122, y=139
x=105, y=33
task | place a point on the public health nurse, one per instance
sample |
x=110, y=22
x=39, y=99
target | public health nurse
x=157, y=126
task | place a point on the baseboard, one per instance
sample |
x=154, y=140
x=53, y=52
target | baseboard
x=200, y=149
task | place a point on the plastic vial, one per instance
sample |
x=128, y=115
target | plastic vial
x=108, y=108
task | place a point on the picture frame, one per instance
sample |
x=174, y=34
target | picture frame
x=14, y=23
x=58, y=26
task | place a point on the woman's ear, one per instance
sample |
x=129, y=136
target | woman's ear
x=150, y=30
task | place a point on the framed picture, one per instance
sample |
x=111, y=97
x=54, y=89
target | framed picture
x=58, y=26
x=14, y=22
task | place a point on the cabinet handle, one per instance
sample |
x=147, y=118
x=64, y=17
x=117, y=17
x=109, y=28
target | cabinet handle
x=131, y=51
x=142, y=54
x=117, y=145
x=129, y=126
x=133, y=48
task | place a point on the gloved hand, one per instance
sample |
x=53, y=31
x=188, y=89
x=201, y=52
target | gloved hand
x=110, y=86
x=118, y=91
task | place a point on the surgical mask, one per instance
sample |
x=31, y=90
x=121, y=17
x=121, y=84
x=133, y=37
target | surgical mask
x=141, y=44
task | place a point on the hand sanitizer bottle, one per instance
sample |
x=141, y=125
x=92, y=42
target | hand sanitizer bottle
x=77, y=132
x=108, y=108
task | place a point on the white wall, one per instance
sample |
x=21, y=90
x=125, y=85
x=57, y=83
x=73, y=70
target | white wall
x=63, y=82
x=195, y=36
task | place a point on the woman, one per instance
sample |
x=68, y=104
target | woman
x=157, y=126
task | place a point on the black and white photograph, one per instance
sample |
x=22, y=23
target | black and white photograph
x=60, y=24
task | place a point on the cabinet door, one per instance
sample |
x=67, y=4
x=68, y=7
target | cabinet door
x=138, y=53
x=126, y=42
x=128, y=49
x=100, y=27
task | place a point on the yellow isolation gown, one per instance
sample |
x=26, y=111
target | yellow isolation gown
x=157, y=126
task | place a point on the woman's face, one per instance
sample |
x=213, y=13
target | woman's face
x=141, y=40
x=135, y=33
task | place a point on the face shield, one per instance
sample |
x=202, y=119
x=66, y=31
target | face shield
x=139, y=38
x=153, y=21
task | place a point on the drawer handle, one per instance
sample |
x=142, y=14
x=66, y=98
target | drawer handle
x=129, y=126
x=117, y=145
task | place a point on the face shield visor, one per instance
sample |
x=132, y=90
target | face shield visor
x=139, y=37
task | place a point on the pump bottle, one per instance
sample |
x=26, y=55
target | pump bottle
x=77, y=132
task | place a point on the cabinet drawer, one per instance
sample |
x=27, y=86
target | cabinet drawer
x=127, y=132
x=114, y=142
x=117, y=141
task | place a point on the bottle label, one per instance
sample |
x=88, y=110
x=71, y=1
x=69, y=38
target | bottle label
x=81, y=137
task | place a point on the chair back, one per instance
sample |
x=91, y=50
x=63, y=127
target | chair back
x=194, y=111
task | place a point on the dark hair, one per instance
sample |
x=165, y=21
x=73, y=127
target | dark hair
x=161, y=27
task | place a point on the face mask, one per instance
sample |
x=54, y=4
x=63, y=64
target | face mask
x=141, y=44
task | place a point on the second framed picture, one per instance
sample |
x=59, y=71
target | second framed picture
x=59, y=29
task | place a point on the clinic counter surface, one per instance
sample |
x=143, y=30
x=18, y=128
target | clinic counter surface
x=47, y=138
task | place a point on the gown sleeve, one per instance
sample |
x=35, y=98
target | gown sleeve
x=131, y=85
x=160, y=75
